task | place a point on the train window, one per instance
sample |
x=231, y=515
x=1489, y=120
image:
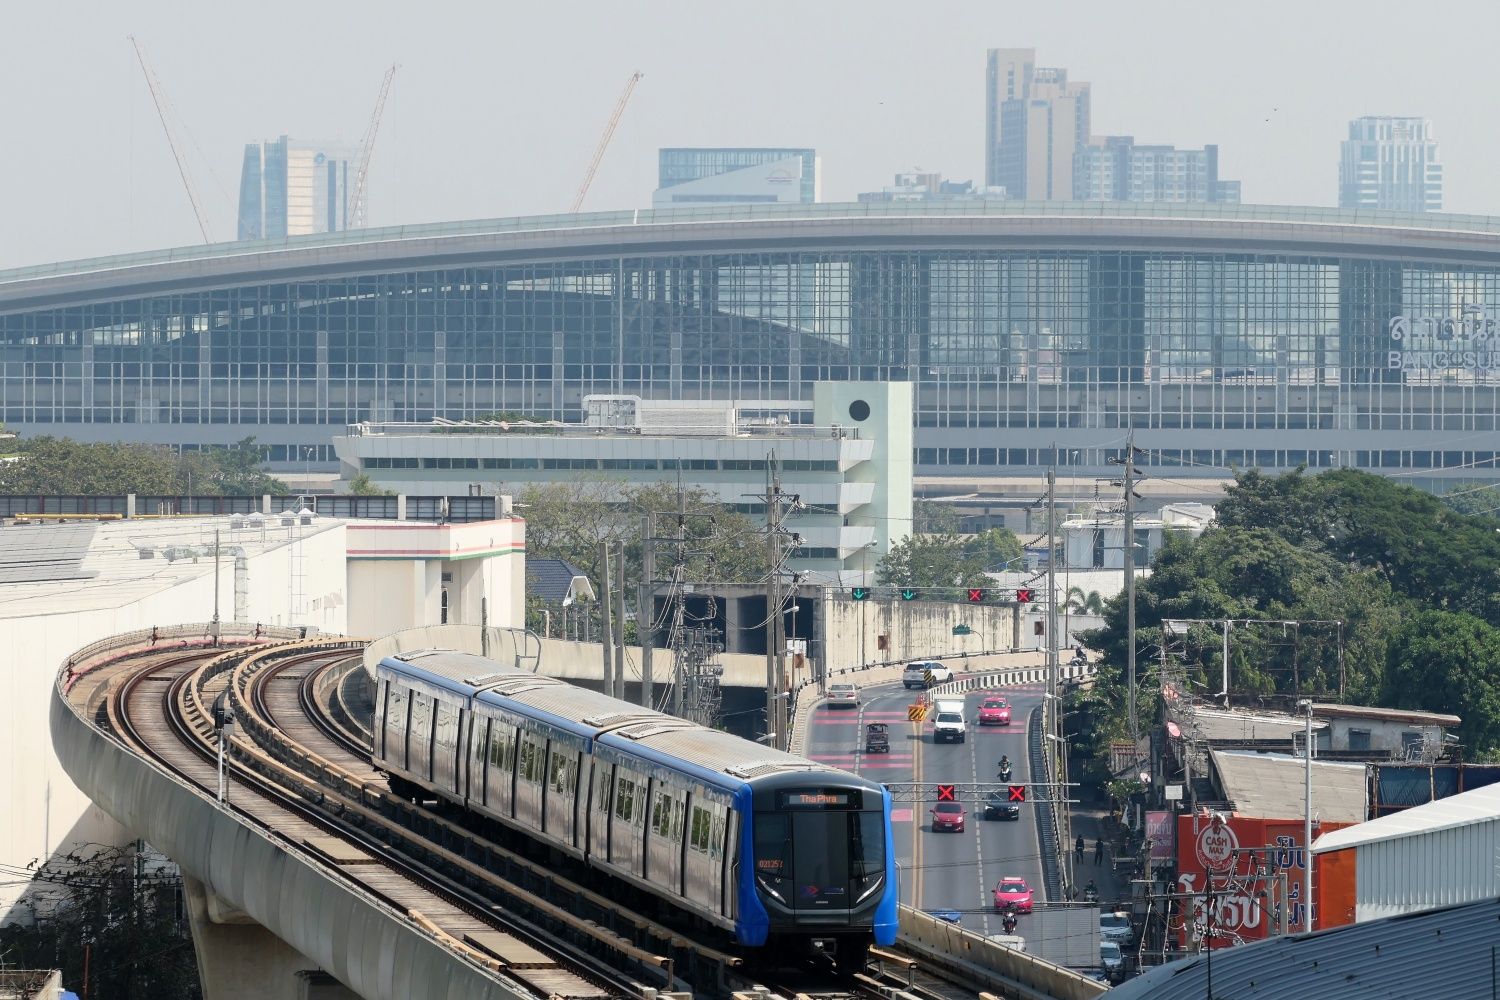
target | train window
x=625, y=800
x=564, y=771
x=716, y=836
x=502, y=747
x=531, y=762
x=867, y=852
x=661, y=813
x=701, y=830
x=601, y=792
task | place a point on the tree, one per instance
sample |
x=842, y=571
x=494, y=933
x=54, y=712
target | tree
x=363, y=486
x=931, y=561
x=933, y=517
x=568, y=520
x=994, y=548
x=1080, y=603
x=1446, y=662
x=123, y=913
x=50, y=466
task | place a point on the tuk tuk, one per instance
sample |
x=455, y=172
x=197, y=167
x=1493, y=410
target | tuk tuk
x=876, y=738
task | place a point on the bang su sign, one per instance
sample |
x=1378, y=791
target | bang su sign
x=1237, y=859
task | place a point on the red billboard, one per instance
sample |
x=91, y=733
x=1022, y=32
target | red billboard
x=1237, y=859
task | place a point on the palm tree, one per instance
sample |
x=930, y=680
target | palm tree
x=1084, y=603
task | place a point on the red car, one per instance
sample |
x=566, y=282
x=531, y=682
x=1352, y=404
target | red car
x=948, y=816
x=1012, y=893
x=994, y=711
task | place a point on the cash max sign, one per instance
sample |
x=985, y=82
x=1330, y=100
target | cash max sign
x=1470, y=339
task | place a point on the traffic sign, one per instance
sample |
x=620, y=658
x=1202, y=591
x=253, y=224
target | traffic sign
x=1018, y=793
x=927, y=677
x=916, y=713
x=962, y=629
x=945, y=793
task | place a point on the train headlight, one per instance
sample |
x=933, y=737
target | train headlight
x=767, y=886
x=879, y=881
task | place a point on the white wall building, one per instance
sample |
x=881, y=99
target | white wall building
x=851, y=466
x=1098, y=541
x=65, y=586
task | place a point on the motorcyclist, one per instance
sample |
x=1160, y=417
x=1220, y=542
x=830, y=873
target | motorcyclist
x=1005, y=767
x=1091, y=892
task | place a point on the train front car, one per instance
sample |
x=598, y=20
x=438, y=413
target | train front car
x=823, y=862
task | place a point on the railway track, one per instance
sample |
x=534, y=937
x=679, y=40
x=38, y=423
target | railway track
x=160, y=711
x=301, y=770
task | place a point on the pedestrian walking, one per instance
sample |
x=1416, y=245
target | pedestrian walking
x=1099, y=851
x=1078, y=849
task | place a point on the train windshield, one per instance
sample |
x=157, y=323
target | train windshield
x=831, y=859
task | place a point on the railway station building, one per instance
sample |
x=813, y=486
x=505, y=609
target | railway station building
x=1222, y=335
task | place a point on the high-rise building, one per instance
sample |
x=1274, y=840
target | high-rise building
x=1114, y=168
x=716, y=176
x=291, y=188
x=1035, y=121
x=1391, y=163
x=920, y=185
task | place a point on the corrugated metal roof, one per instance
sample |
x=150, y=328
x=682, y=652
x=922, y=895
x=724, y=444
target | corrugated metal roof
x=1272, y=786
x=1435, y=953
x=1482, y=805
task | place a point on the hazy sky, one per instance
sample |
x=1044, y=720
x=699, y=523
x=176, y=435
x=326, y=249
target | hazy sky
x=497, y=106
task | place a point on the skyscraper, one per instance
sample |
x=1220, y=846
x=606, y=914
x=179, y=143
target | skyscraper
x=1115, y=168
x=1035, y=121
x=1390, y=162
x=290, y=188
x=716, y=176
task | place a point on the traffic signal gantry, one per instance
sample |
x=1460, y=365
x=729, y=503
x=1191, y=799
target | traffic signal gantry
x=971, y=595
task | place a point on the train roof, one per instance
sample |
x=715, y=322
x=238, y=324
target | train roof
x=713, y=754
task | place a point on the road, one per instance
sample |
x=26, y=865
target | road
x=948, y=871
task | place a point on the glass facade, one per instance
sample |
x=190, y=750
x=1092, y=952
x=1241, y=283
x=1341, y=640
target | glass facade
x=1216, y=359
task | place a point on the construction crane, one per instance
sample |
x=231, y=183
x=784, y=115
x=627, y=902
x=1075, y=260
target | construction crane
x=609, y=131
x=354, y=211
x=161, y=110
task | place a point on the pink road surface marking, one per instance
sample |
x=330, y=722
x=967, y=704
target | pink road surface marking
x=900, y=815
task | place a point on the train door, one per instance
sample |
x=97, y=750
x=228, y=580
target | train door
x=600, y=798
x=382, y=692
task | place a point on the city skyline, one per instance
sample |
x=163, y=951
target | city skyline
x=458, y=141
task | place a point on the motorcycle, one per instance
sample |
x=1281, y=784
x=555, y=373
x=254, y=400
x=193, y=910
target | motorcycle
x=1091, y=894
x=1005, y=771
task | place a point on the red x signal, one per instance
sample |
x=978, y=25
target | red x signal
x=1023, y=595
x=976, y=595
x=1018, y=793
x=945, y=793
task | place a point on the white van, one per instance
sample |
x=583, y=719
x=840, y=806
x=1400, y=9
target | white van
x=949, y=724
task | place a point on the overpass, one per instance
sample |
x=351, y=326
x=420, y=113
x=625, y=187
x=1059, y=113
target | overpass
x=307, y=878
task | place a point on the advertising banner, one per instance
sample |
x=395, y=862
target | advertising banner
x=1227, y=871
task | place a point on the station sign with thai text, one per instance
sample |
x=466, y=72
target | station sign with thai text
x=1469, y=339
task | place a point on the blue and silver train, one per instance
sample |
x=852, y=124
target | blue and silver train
x=769, y=847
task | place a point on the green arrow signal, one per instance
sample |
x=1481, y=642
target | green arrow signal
x=860, y=593
x=908, y=594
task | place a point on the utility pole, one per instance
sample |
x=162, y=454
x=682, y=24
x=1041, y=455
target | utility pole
x=1307, y=856
x=1129, y=561
x=679, y=573
x=619, y=619
x=606, y=623
x=774, y=726
x=215, y=628
x=645, y=614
